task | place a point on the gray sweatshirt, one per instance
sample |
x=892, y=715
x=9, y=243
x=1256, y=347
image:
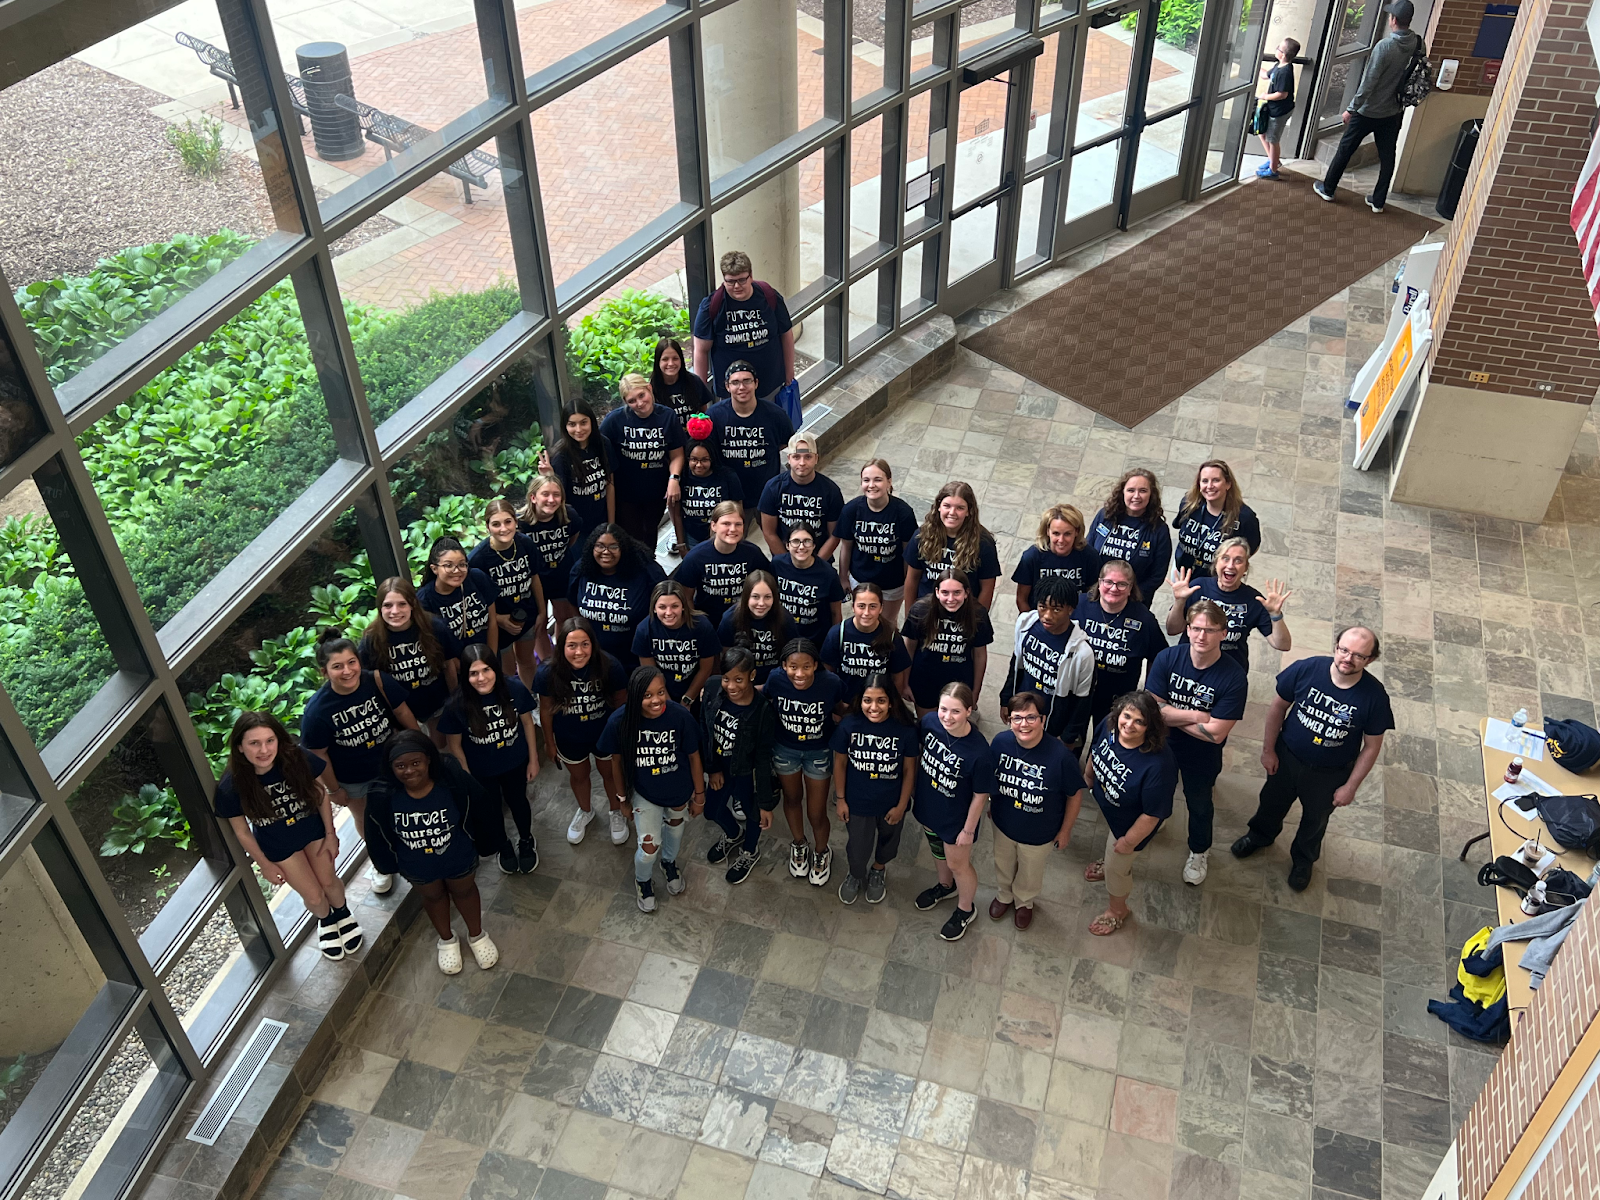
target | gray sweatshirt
x=1378, y=95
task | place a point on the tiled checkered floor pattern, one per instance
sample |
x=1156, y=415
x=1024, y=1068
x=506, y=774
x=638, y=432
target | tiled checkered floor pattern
x=1235, y=1040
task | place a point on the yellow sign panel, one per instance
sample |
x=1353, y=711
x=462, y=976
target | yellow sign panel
x=1382, y=391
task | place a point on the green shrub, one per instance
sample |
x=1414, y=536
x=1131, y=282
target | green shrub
x=136, y=821
x=199, y=144
x=1178, y=24
x=52, y=657
x=76, y=319
x=620, y=336
x=403, y=354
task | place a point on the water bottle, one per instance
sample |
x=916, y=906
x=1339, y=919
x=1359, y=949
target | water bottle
x=1533, y=903
x=1519, y=718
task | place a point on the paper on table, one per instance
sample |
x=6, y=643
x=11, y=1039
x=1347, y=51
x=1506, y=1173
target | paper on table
x=1502, y=735
x=1526, y=782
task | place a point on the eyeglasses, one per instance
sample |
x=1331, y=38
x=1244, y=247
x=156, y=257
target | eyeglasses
x=1026, y=718
x=736, y=280
x=1116, y=585
x=1198, y=630
x=1339, y=651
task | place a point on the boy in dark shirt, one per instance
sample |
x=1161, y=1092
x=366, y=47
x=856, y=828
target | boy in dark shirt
x=1280, y=103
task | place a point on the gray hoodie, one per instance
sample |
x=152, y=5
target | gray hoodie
x=1379, y=93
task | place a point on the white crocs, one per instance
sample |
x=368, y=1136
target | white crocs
x=483, y=949
x=450, y=956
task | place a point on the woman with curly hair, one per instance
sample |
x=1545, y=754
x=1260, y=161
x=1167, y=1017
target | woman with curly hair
x=1133, y=776
x=610, y=586
x=1132, y=525
x=951, y=537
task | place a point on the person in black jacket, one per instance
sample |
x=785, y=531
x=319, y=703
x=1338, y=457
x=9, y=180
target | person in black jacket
x=416, y=824
x=739, y=730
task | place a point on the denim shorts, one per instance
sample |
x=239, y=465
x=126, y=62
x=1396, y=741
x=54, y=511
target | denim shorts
x=816, y=763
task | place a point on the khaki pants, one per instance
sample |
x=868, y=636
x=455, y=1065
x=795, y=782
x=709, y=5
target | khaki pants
x=1019, y=869
x=1119, y=870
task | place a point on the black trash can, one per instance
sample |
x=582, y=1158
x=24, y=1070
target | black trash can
x=1460, y=162
x=325, y=71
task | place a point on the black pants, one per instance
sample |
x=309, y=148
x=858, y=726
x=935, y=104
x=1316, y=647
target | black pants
x=1199, y=765
x=1314, y=788
x=642, y=519
x=872, y=839
x=1385, y=132
x=742, y=788
x=510, y=789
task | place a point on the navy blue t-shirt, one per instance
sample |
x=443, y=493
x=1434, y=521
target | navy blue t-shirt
x=815, y=504
x=427, y=835
x=584, y=480
x=557, y=546
x=806, y=594
x=943, y=654
x=1199, y=535
x=878, y=540
x=426, y=687
x=295, y=823
x=1219, y=689
x=1326, y=723
x=685, y=397
x=677, y=651
x=1080, y=568
x=577, y=723
x=751, y=330
x=1031, y=787
x=949, y=771
x=805, y=719
x=988, y=563
x=1244, y=611
x=718, y=578
x=512, y=572
x=349, y=731
x=1129, y=784
x=849, y=653
x=875, y=754
x=502, y=747
x=1122, y=642
x=1038, y=666
x=640, y=451
x=661, y=768
x=1145, y=545
x=750, y=445
x=615, y=605
x=701, y=494
x=468, y=610
x=761, y=640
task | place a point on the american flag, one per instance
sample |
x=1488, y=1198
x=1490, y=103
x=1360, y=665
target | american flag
x=1586, y=221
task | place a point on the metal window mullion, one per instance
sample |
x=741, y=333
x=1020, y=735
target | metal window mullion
x=519, y=180
x=836, y=244
x=837, y=56
x=897, y=45
x=687, y=58
x=496, y=21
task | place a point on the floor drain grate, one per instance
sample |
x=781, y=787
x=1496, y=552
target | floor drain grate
x=226, y=1099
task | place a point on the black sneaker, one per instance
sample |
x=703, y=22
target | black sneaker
x=528, y=855
x=743, y=865
x=1245, y=847
x=1300, y=876
x=719, y=852
x=1374, y=205
x=957, y=924
x=676, y=883
x=509, y=863
x=938, y=892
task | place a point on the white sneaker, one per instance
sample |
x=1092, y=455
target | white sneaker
x=450, y=956
x=382, y=884
x=483, y=949
x=821, y=867
x=619, y=827
x=1194, y=871
x=580, y=822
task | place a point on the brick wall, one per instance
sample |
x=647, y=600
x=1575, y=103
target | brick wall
x=1561, y=1012
x=1452, y=32
x=1572, y=1170
x=1511, y=299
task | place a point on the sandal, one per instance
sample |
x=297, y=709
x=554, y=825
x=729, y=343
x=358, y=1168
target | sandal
x=1107, y=923
x=1095, y=872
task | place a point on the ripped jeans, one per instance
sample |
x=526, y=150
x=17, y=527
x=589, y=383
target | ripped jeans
x=663, y=826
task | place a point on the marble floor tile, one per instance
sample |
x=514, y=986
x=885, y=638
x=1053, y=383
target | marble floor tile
x=769, y=1182
x=982, y=1179
x=663, y=982
x=356, y=1078
x=530, y=1128
x=1015, y=1075
x=736, y=1121
x=798, y=1138
x=617, y=1088
x=590, y=1145
x=651, y=1164
x=1003, y=1132
x=608, y=967
x=941, y=1115
x=817, y=1081
x=834, y=1027
x=777, y=1011
x=1080, y=1093
x=757, y=1064
x=1069, y=1150
x=441, y=1169
x=876, y=1097
x=862, y=1156
x=924, y=1170
x=676, y=1104
x=640, y=1033
x=502, y=1177
x=583, y=1018
x=718, y=997
x=471, y=1111
x=380, y=1153
x=1144, y=1110
x=893, y=1042
x=558, y=1072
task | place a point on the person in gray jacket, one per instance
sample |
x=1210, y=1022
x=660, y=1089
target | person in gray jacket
x=1376, y=108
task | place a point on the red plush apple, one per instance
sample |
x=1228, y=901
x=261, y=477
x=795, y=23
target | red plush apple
x=699, y=427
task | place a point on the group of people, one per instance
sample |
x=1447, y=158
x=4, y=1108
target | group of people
x=762, y=674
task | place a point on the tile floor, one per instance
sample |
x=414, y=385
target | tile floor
x=1236, y=1040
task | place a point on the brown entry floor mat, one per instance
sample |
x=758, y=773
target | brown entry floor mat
x=1137, y=332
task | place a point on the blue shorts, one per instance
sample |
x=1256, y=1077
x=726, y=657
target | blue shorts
x=817, y=763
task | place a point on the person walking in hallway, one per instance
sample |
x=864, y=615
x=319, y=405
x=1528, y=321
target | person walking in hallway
x=1324, y=733
x=1376, y=108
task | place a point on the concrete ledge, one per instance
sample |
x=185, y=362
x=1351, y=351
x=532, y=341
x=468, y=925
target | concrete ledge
x=885, y=378
x=318, y=999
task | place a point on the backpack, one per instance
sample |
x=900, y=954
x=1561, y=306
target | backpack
x=1572, y=744
x=1416, y=83
x=719, y=297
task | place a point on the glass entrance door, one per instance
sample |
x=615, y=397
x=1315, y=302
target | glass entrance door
x=1237, y=85
x=985, y=166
